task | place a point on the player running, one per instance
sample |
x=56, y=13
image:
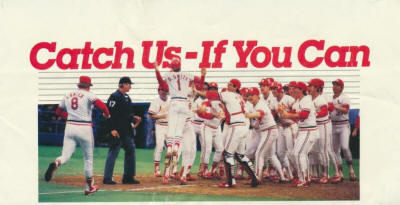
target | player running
x=76, y=107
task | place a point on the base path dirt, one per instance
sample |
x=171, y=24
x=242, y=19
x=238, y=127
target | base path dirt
x=345, y=190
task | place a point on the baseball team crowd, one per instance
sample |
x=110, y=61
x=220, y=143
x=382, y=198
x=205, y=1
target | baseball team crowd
x=284, y=133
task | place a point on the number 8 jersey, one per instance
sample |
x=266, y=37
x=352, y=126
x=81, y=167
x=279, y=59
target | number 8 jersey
x=79, y=104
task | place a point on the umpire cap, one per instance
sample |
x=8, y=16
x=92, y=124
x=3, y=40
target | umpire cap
x=125, y=79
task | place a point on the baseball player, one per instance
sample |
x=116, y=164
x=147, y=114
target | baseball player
x=158, y=111
x=272, y=103
x=268, y=134
x=179, y=89
x=341, y=126
x=198, y=126
x=320, y=149
x=307, y=133
x=213, y=115
x=235, y=139
x=77, y=106
x=287, y=129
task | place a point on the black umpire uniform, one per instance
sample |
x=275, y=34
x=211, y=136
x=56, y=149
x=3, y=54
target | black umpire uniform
x=121, y=112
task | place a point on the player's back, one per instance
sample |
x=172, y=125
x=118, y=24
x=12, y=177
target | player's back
x=79, y=104
x=178, y=83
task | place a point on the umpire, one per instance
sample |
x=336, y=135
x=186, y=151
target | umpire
x=119, y=104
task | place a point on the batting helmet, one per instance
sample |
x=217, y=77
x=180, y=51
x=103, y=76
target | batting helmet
x=213, y=85
x=244, y=91
x=301, y=85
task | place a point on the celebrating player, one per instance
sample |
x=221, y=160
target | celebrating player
x=76, y=107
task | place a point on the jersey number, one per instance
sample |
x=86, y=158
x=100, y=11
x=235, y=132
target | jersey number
x=179, y=83
x=74, y=103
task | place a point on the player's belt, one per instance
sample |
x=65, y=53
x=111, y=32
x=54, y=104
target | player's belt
x=340, y=122
x=322, y=122
x=178, y=98
x=232, y=124
x=162, y=123
x=79, y=122
x=310, y=128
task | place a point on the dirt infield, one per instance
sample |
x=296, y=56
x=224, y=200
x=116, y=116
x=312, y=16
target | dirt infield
x=344, y=191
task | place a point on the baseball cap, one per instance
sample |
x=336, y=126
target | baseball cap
x=266, y=81
x=292, y=84
x=315, y=82
x=125, y=79
x=339, y=82
x=244, y=91
x=254, y=91
x=213, y=85
x=176, y=63
x=301, y=85
x=277, y=85
x=235, y=82
x=85, y=80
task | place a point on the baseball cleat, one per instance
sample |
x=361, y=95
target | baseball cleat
x=239, y=177
x=50, y=170
x=175, y=176
x=335, y=179
x=226, y=185
x=190, y=178
x=92, y=190
x=157, y=174
x=300, y=184
x=165, y=180
x=323, y=180
x=183, y=181
x=353, y=177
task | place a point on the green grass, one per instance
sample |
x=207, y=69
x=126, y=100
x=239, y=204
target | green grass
x=144, y=164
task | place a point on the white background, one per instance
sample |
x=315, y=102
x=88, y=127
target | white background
x=187, y=24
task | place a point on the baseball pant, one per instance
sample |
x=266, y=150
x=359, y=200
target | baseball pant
x=188, y=147
x=266, y=151
x=212, y=138
x=304, y=141
x=177, y=114
x=198, y=129
x=78, y=134
x=285, y=143
x=341, y=137
x=161, y=133
x=252, y=143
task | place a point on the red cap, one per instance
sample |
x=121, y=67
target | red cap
x=163, y=87
x=176, y=63
x=213, y=85
x=235, y=82
x=277, y=85
x=315, y=82
x=301, y=85
x=322, y=83
x=339, y=82
x=85, y=80
x=292, y=84
x=266, y=81
x=244, y=91
x=223, y=90
x=254, y=91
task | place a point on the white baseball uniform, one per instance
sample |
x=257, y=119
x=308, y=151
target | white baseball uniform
x=160, y=107
x=78, y=130
x=212, y=131
x=179, y=90
x=287, y=129
x=306, y=136
x=341, y=128
x=198, y=126
x=268, y=134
